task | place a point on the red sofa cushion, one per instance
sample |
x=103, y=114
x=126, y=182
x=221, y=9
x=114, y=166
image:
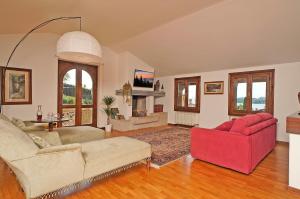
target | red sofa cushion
x=265, y=116
x=242, y=123
x=226, y=126
x=257, y=127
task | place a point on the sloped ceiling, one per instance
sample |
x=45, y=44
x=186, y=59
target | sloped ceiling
x=174, y=36
x=110, y=21
x=231, y=34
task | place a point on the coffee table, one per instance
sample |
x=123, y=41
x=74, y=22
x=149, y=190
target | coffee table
x=50, y=122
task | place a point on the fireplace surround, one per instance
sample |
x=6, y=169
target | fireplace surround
x=139, y=106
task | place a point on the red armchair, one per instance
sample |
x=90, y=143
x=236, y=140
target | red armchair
x=238, y=144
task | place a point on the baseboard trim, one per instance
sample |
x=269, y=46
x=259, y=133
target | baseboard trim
x=180, y=125
x=282, y=142
x=293, y=189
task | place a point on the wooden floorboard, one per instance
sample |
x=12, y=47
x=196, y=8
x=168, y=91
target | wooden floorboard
x=184, y=179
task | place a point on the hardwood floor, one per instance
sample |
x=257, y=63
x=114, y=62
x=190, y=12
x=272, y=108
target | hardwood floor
x=185, y=179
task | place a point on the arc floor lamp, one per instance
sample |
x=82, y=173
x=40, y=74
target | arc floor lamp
x=77, y=46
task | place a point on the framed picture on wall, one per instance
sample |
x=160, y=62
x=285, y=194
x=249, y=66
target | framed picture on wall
x=216, y=87
x=143, y=78
x=16, y=86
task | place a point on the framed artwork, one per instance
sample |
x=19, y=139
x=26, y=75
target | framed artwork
x=214, y=87
x=143, y=78
x=16, y=86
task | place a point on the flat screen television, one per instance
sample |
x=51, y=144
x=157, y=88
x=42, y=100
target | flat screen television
x=143, y=78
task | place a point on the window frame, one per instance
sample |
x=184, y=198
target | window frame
x=249, y=76
x=186, y=81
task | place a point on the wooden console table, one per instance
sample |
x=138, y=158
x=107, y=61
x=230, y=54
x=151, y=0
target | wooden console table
x=293, y=123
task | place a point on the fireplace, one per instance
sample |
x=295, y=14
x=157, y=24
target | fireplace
x=139, y=106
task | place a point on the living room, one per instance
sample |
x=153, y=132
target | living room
x=211, y=71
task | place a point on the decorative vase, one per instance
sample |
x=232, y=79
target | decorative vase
x=108, y=128
x=157, y=86
x=39, y=113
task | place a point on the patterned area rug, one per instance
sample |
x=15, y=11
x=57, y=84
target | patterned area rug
x=167, y=144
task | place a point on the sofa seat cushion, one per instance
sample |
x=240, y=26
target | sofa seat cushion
x=14, y=143
x=79, y=134
x=242, y=123
x=105, y=155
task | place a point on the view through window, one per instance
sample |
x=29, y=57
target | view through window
x=251, y=92
x=76, y=93
x=187, y=94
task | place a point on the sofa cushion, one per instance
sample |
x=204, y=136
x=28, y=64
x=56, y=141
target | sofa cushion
x=51, y=137
x=105, y=155
x=242, y=123
x=226, y=126
x=14, y=143
x=79, y=134
x=259, y=126
x=18, y=122
x=39, y=141
x=265, y=116
x=32, y=128
x=4, y=117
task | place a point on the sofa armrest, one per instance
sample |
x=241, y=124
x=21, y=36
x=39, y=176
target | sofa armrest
x=50, y=169
x=227, y=149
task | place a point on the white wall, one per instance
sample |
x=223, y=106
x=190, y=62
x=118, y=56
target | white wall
x=108, y=81
x=38, y=53
x=214, y=108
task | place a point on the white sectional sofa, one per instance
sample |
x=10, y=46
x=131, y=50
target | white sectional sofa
x=41, y=171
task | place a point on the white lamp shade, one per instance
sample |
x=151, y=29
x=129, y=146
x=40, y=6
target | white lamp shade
x=79, y=47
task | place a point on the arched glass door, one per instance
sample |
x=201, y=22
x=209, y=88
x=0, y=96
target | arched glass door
x=77, y=93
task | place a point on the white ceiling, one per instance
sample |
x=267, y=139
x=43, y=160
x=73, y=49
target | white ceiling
x=175, y=36
x=109, y=21
x=231, y=34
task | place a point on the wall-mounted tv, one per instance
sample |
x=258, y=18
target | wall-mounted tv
x=143, y=78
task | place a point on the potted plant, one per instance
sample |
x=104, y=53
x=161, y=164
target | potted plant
x=108, y=101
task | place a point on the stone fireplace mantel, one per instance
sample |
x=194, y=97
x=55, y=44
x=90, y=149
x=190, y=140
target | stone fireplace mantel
x=143, y=93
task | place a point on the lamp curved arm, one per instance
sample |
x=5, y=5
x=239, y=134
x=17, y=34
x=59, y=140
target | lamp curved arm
x=36, y=28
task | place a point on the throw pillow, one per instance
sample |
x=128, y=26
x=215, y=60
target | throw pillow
x=18, y=123
x=265, y=116
x=244, y=122
x=40, y=142
x=3, y=117
x=226, y=126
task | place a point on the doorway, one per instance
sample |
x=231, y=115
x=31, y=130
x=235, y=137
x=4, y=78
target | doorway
x=77, y=93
